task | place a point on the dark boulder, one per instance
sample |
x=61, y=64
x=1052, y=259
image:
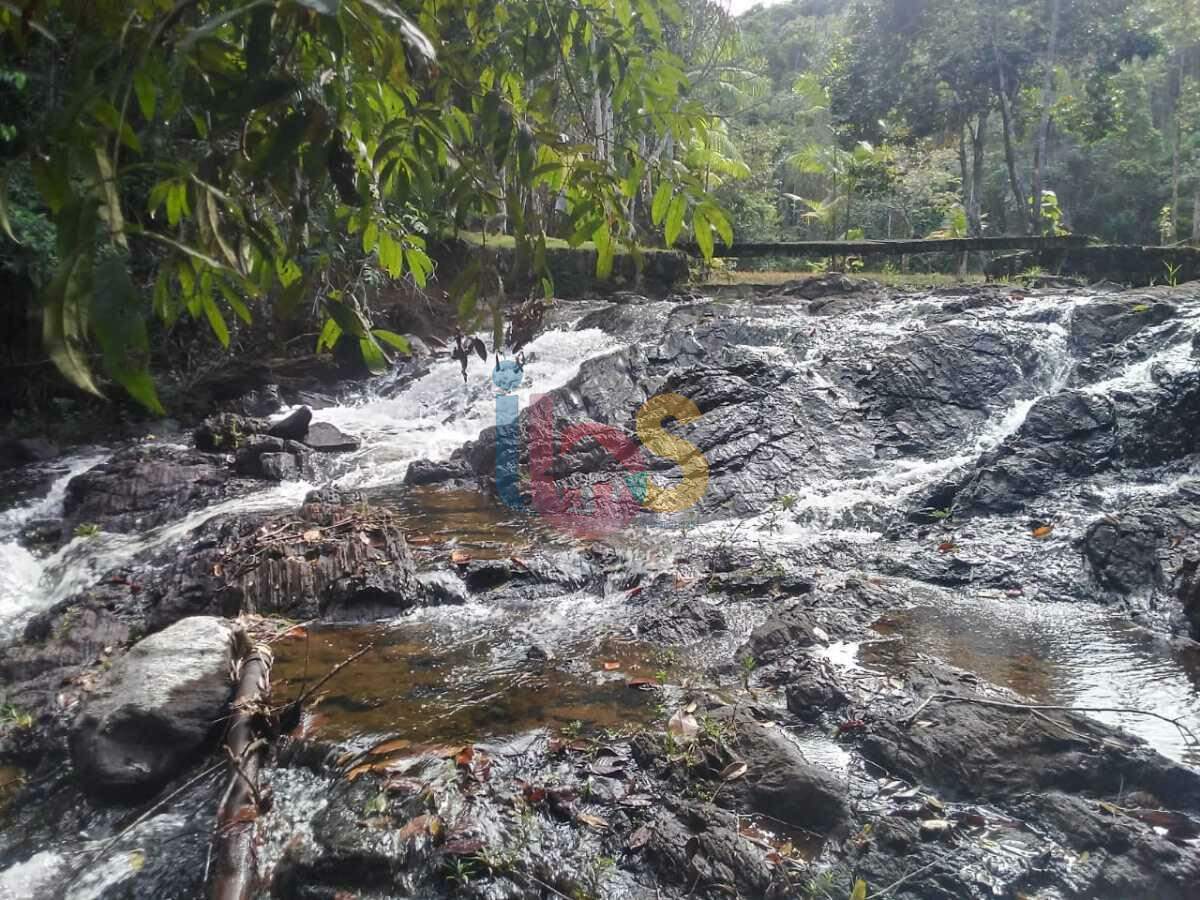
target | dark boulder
x=294, y=426
x=700, y=846
x=330, y=562
x=1110, y=321
x=927, y=391
x=22, y=451
x=273, y=458
x=226, y=432
x=329, y=438
x=1189, y=593
x=145, y=486
x=156, y=707
x=781, y=635
x=1069, y=434
x=1161, y=423
x=1122, y=552
x=780, y=782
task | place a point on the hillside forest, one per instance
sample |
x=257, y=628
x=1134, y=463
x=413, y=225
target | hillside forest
x=273, y=171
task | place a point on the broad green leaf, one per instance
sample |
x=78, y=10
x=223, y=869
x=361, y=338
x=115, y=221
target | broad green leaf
x=64, y=323
x=370, y=237
x=717, y=218
x=662, y=199
x=106, y=114
x=120, y=326
x=373, y=355
x=4, y=221
x=329, y=335
x=674, y=222
x=235, y=302
x=703, y=233
x=860, y=890
x=349, y=319
x=604, y=252
x=216, y=321
x=399, y=341
x=146, y=90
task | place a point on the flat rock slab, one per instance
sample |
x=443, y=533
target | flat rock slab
x=155, y=707
x=329, y=438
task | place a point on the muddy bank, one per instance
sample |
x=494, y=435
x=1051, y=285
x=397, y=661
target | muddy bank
x=931, y=525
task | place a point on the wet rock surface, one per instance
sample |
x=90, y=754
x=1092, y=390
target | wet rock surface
x=155, y=708
x=698, y=701
x=145, y=486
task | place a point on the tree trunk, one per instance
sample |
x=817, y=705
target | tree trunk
x=1174, y=235
x=1196, y=216
x=974, y=202
x=1043, y=132
x=1010, y=156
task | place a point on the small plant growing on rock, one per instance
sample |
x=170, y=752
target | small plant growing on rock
x=87, y=530
x=15, y=717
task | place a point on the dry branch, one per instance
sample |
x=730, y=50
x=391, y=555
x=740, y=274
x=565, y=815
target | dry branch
x=245, y=747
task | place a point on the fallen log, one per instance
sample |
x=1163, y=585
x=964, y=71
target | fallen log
x=245, y=745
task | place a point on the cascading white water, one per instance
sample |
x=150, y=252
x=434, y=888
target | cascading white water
x=428, y=419
x=440, y=412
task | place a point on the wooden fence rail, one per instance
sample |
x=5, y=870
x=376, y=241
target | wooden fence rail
x=863, y=248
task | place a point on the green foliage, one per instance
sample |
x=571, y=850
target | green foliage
x=230, y=160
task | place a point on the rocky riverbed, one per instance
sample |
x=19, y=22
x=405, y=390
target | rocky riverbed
x=930, y=624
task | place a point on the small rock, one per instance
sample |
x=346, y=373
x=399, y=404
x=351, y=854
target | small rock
x=294, y=426
x=329, y=438
x=279, y=466
x=226, y=432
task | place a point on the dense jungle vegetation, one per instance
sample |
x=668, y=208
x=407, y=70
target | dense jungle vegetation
x=245, y=165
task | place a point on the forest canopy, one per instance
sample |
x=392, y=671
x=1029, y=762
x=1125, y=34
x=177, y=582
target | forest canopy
x=230, y=159
x=240, y=164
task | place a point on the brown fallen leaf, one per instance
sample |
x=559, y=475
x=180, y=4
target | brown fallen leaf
x=389, y=747
x=683, y=727
x=593, y=821
x=1043, y=531
x=312, y=535
x=611, y=665
x=947, y=546
x=465, y=756
x=642, y=684
x=460, y=557
x=639, y=838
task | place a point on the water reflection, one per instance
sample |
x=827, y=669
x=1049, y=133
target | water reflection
x=1057, y=653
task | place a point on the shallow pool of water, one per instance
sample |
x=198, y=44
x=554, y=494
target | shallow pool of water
x=1058, y=653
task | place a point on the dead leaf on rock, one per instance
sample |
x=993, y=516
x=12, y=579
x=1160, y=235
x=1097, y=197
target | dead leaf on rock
x=460, y=557
x=1043, y=531
x=611, y=665
x=683, y=727
x=639, y=838
x=593, y=821
x=734, y=771
x=642, y=684
x=947, y=547
x=312, y=535
x=389, y=747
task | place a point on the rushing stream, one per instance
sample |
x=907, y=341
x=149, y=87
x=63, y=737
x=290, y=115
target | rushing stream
x=1000, y=594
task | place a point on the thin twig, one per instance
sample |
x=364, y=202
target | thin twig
x=299, y=701
x=143, y=817
x=913, y=874
x=1043, y=707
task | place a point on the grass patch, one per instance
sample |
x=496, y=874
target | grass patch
x=508, y=242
